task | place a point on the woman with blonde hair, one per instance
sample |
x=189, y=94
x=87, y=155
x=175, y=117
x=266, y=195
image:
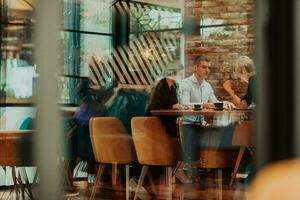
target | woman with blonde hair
x=244, y=70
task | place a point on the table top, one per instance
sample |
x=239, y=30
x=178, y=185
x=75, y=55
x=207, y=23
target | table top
x=243, y=132
x=204, y=112
x=4, y=132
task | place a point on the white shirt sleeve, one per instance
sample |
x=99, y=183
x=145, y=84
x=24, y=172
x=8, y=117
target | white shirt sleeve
x=185, y=93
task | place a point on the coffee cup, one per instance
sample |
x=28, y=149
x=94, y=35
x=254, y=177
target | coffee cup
x=197, y=106
x=219, y=106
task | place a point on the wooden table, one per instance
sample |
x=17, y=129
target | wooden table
x=16, y=132
x=215, y=117
x=16, y=151
x=204, y=112
x=12, y=147
x=242, y=135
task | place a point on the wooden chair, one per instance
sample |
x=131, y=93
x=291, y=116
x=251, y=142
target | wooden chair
x=16, y=151
x=277, y=181
x=211, y=157
x=243, y=137
x=111, y=145
x=154, y=147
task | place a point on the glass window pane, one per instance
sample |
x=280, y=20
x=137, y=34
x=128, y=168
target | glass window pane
x=67, y=90
x=94, y=45
x=18, y=72
x=146, y=17
x=19, y=83
x=88, y=15
x=79, y=50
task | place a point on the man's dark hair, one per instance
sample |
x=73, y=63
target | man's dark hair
x=200, y=58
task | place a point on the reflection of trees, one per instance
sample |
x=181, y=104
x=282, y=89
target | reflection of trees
x=63, y=90
x=10, y=93
x=3, y=90
x=95, y=15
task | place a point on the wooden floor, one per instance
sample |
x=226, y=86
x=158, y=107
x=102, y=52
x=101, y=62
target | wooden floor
x=209, y=189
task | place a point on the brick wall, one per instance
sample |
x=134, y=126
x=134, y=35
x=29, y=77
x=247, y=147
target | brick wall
x=227, y=32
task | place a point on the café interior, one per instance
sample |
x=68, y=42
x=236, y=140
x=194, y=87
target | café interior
x=149, y=99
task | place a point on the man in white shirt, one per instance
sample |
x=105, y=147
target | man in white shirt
x=195, y=89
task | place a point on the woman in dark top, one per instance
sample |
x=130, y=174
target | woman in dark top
x=250, y=97
x=245, y=70
x=164, y=96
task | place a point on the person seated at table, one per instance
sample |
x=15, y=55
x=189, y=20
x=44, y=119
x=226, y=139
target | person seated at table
x=92, y=104
x=165, y=96
x=245, y=71
x=195, y=89
x=130, y=101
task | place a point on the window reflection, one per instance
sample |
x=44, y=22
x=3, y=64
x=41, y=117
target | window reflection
x=20, y=83
x=88, y=15
x=144, y=17
x=17, y=70
x=86, y=35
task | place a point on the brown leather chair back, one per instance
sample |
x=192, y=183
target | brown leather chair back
x=111, y=142
x=16, y=148
x=153, y=144
x=243, y=133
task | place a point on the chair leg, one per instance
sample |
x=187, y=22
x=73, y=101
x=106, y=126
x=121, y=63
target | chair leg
x=219, y=176
x=237, y=164
x=169, y=182
x=15, y=180
x=127, y=168
x=174, y=171
x=178, y=165
x=178, y=173
x=35, y=177
x=98, y=178
x=151, y=182
x=27, y=186
x=11, y=188
x=114, y=172
x=21, y=185
x=141, y=180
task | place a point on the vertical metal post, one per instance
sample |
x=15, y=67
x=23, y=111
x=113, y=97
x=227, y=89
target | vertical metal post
x=261, y=140
x=276, y=68
x=48, y=141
